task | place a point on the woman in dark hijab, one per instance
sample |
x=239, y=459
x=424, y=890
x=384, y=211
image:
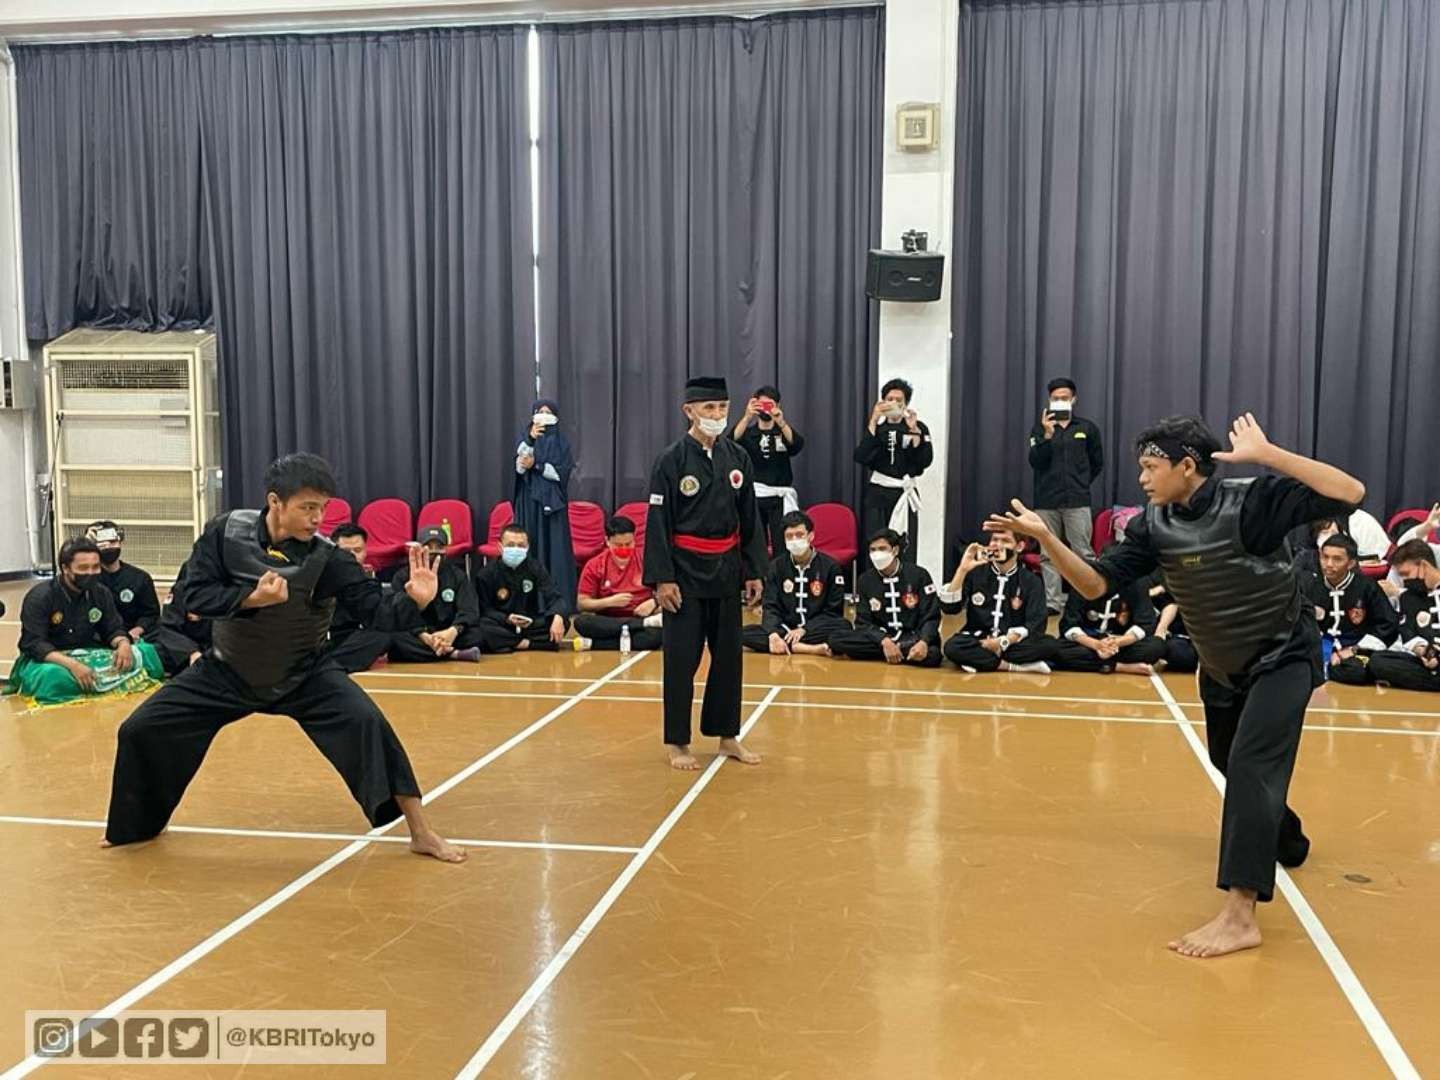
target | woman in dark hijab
x=543, y=464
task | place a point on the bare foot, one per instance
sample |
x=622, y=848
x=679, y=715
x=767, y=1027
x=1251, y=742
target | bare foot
x=1233, y=930
x=681, y=758
x=105, y=841
x=735, y=749
x=1134, y=669
x=437, y=847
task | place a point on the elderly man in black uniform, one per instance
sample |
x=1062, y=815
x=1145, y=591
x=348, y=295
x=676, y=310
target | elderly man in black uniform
x=270, y=583
x=702, y=539
x=1220, y=548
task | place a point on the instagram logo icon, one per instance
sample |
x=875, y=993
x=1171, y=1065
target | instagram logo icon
x=54, y=1038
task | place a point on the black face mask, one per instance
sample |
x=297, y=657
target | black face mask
x=1417, y=586
x=110, y=556
x=84, y=581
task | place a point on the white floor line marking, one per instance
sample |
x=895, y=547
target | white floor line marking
x=290, y=834
x=527, y=1001
x=1350, y=984
x=225, y=933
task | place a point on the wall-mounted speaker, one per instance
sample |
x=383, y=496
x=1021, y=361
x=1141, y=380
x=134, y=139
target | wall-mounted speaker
x=904, y=275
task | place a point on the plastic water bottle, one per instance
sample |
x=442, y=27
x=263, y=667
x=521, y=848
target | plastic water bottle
x=445, y=524
x=624, y=641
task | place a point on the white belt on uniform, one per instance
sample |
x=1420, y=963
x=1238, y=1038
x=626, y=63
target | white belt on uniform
x=789, y=494
x=908, y=501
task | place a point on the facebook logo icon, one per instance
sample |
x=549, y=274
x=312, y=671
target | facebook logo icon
x=144, y=1038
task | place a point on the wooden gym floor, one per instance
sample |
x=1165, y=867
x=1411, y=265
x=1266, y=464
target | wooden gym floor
x=931, y=875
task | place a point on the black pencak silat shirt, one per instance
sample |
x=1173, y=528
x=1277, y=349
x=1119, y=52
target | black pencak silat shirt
x=53, y=619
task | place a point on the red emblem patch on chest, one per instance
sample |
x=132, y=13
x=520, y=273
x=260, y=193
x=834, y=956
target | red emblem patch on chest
x=1017, y=602
x=1357, y=615
x=910, y=599
x=816, y=588
x=737, y=479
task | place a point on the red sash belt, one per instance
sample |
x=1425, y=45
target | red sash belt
x=704, y=545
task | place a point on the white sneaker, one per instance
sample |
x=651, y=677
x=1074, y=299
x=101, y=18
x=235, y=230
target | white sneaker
x=968, y=669
x=1039, y=667
x=654, y=622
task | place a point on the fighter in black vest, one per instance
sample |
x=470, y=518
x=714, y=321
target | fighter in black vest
x=1219, y=545
x=270, y=584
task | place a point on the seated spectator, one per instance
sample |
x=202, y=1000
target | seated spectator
x=1180, y=655
x=1413, y=662
x=1004, y=608
x=1307, y=555
x=183, y=636
x=613, y=595
x=804, y=604
x=520, y=608
x=1114, y=634
x=132, y=587
x=72, y=639
x=1393, y=584
x=1355, y=616
x=897, y=617
x=765, y=434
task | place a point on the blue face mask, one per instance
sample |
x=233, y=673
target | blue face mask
x=513, y=556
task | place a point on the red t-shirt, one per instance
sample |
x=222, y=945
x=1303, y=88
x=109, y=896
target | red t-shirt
x=603, y=577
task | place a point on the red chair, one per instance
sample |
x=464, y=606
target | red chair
x=337, y=513
x=836, y=534
x=1103, y=532
x=1415, y=517
x=390, y=525
x=639, y=513
x=587, y=530
x=461, y=519
x=501, y=514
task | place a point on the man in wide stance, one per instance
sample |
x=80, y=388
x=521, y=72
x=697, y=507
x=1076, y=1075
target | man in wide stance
x=1219, y=545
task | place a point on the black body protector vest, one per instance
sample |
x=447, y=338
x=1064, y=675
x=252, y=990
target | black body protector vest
x=1238, y=607
x=271, y=648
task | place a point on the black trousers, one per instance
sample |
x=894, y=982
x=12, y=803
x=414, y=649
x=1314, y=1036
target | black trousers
x=877, y=504
x=858, y=644
x=1354, y=671
x=604, y=631
x=174, y=649
x=818, y=631
x=702, y=621
x=965, y=650
x=771, y=511
x=1253, y=733
x=1072, y=656
x=164, y=741
x=1180, y=655
x=1404, y=671
x=361, y=648
x=500, y=637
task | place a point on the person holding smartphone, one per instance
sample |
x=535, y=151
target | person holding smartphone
x=766, y=435
x=1066, y=456
x=520, y=607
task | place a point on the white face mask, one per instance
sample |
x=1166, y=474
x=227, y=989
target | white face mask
x=713, y=428
x=797, y=547
x=544, y=419
x=881, y=559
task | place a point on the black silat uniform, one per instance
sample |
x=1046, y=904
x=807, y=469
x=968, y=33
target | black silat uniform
x=770, y=453
x=179, y=636
x=1400, y=667
x=903, y=607
x=1123, y=612
x=1222, y=557
x=1356, y=613
x=53, y=619
x=526, y=590
x=894, y=452
x=268, y=660
x=810, y=596
x=703, y=534
x=135, y=598
x=1180, y=655
x=997, y=604
x=454, y=605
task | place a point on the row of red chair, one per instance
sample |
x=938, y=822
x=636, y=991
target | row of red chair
x=390, y=525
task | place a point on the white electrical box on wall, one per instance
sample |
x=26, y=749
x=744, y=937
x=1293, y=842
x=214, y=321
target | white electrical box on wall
x=17, y=383
x=134, y=426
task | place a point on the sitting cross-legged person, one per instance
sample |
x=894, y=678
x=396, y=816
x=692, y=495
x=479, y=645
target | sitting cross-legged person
x=897, y=616
x=1004, y=608
x=1413, y=663
x=1112, y=634
x=72, y=639
x=520, y=608
x=183, y=636
x=1180, y=655
x=613, y=597
x=1356, y=617
x=804, y=605
x=132, y=587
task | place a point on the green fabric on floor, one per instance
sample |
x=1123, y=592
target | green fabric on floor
x=51, y=684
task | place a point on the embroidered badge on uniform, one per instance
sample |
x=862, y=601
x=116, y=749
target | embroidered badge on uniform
x=1357, y=615
x=126, y=595
x=930, y=589
x=874, y=603
x=816, y=588
x=1422, y=619
x=1017, y=602
x=95, y=615
x=789, y=586
x=737, y=479
x=527, y=585
x=689, y=486
x=448, y=596
x=57, y=617
x=978, y=599
x=657, y=500
x=910, y=599
x=502, y=593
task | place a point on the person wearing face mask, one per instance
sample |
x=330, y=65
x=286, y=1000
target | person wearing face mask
x=897, y=613
x=1004, y=608
x=1220, y=547
x=703, y=544
x=68, y=629
x=520, y=607
x=1354, y=613
x=132, y=587
x=1066, y=458
x=771, y=442
x=613, y=595
x=1393, y=584
x=896, y=448
x=543, y=464
x=1413, y=662
x=804, y=603
x=269, y=581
